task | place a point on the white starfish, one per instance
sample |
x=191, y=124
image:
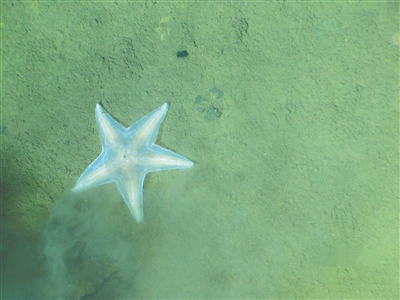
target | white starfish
x=128, y=155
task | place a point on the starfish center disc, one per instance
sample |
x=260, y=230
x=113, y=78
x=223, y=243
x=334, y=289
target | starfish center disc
x=129, y=158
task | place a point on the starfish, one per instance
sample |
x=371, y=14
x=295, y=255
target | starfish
x=127, y=155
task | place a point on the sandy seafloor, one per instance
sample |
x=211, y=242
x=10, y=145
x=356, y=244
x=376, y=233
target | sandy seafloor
x=289, y=111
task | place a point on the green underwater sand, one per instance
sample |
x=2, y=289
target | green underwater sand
x=289, y=111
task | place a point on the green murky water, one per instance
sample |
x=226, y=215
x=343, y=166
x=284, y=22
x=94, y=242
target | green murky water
x=289, y=111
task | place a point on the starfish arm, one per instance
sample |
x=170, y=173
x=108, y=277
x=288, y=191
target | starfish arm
x=145, y=130
x=97, y=173
x=131, y=188
x=160, y=159
x=111, y=132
